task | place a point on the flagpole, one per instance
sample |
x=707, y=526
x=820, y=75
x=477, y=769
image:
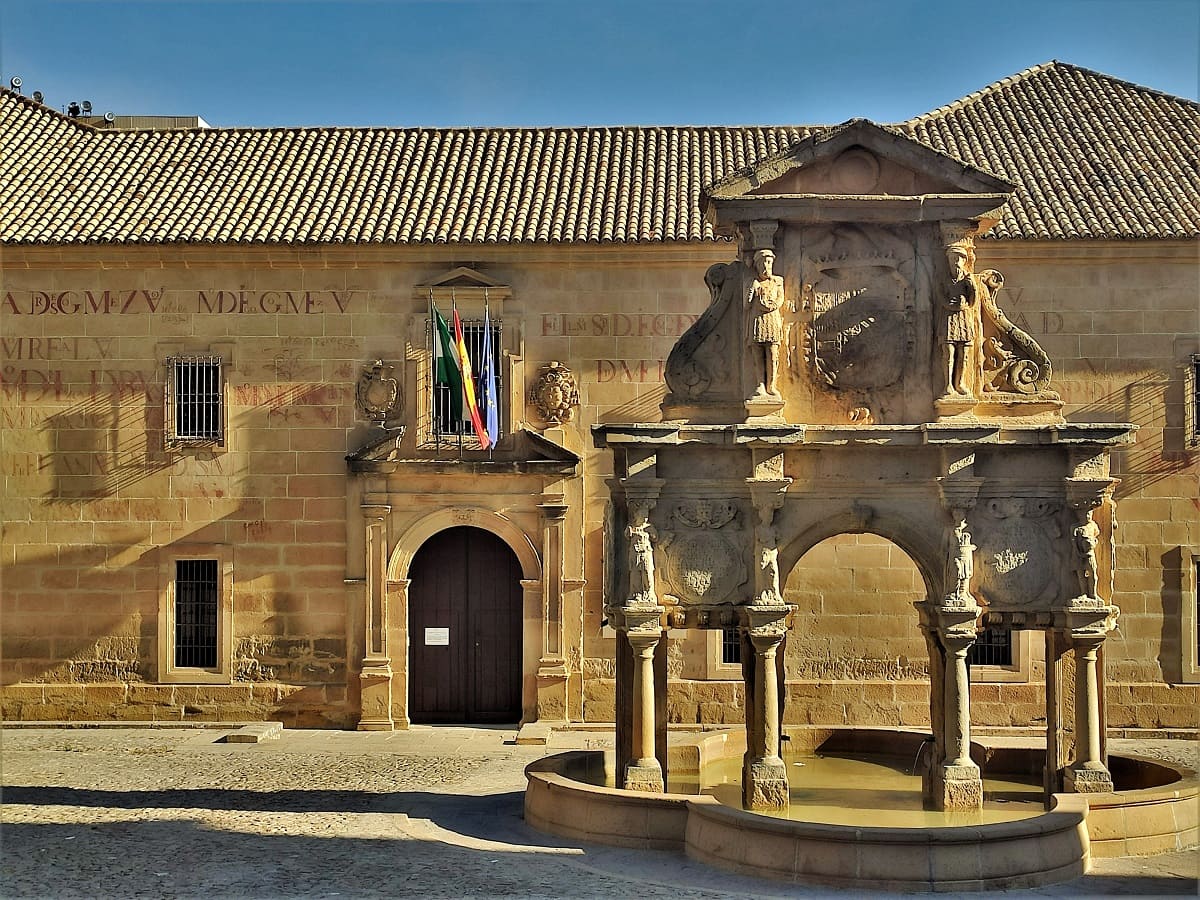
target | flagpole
x=454, y=310
x=487, y=336
x=433, y=379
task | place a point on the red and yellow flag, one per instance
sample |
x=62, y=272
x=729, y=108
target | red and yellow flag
x=470, y=407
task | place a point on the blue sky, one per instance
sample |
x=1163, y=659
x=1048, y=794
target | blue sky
x=559, y=62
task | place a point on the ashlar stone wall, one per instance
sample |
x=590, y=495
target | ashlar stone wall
x=92, y=499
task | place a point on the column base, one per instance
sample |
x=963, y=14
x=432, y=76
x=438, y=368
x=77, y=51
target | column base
x=552, y=690
x=645, y=778
x=765, y=784
x=957, y=787
x=375, y=704
x=1087, y=781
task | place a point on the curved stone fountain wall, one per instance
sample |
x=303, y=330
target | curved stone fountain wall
x=1156, y=815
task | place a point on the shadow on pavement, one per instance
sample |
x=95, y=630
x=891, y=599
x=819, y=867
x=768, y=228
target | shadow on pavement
x=474, y=816
x=181, y=858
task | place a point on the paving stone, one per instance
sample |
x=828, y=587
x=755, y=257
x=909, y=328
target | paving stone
x=432, y=812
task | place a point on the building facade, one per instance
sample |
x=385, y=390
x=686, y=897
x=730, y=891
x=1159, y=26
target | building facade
x=233, y=490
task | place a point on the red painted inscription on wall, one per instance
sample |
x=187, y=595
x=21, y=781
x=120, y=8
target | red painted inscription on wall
x=274, y=302
x=82, y=303
x=57, y=348
x=629, y=371
x=616, y=325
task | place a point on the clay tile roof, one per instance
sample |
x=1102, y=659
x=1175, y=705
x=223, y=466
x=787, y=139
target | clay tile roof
x=1092, y=156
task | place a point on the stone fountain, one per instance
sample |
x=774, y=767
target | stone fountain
x=854, y=373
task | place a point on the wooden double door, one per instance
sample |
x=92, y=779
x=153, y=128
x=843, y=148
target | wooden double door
x=465, y=599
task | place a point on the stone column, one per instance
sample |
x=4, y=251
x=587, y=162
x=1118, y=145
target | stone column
x=1088, y=774
x=764, y=774
x=375, y=678
x=937, y=701
x=957, y=785
x=552, y=670
x=643, y=772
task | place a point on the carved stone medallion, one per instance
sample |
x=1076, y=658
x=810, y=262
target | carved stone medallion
x=1017, y=564
x=702, y=565
x=860, y=331
x=377, y=392
x=555, y=394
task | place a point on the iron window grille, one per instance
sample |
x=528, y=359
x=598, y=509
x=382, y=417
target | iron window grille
x=1191, y=402
x=195, y=408
x=197, y=599
x=992, y=647
x=442, y=421
x=731, y=647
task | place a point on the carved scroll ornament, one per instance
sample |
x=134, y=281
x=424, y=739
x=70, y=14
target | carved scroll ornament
x=697, y=364
x=1012, y=360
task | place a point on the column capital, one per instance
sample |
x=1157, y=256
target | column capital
x=958, y=492
x=767, y=625
x=956, y=640
x=642, y=491
x=1089, y=619
x=640, y=619
x=1086, y=494
x=553, y=506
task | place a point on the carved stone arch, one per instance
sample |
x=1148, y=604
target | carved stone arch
x=923, y=549
x=504, y=528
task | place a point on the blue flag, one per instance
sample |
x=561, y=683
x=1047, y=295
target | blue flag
x=489, y=407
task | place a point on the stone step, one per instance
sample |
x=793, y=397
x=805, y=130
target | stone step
x=256, y=733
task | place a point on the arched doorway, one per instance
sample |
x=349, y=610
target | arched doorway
x=465, y=605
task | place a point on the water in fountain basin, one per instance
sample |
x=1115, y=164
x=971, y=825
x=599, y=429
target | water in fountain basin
x=868, y=790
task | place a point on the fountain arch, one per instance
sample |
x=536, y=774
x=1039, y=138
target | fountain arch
x=854, y=623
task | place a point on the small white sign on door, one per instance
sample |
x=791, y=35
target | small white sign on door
x=437, y=637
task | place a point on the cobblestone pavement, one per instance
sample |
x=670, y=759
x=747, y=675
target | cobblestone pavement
x=432, y=812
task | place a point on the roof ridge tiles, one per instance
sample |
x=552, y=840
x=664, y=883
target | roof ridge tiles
x=1130, y=173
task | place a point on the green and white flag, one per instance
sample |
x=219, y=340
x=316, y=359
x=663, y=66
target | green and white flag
x=447, y=369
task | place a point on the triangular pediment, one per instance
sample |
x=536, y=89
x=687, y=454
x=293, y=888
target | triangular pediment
x=469, y=289
x=462, y=277
x=857, y=158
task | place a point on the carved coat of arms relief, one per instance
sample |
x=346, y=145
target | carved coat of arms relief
x=703, y=551
x=1018, y=554
x=860, y=318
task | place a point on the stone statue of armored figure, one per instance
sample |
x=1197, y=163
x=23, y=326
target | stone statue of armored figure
x=765, y=302
x=641, y=535
x=1086, y=537
x=962, y=321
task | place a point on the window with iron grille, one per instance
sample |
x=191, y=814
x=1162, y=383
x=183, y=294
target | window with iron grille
x=197, y=602
x=195, y=412
x=442, y=421
x=731, y=647
x=992, y=647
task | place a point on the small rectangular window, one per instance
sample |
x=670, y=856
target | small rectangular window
x=731, y=647
x=197, y=604
x=992, y=647
x=1191, y=402
x=195, y=614
x=195, y=412
x=443, y=424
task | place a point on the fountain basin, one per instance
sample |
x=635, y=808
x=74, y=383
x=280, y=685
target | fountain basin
x=1047, y=848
